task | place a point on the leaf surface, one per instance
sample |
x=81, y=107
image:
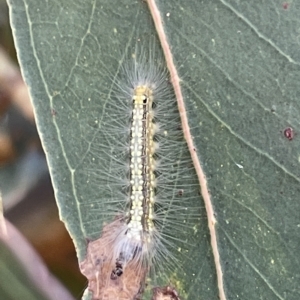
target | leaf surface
x=240, y=66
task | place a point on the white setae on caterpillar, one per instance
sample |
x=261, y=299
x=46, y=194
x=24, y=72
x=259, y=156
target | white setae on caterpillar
x=148, y=185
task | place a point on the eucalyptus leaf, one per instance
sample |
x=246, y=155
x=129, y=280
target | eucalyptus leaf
x=239, y=62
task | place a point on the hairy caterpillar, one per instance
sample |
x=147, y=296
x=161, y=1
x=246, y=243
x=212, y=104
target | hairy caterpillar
x=142, y=176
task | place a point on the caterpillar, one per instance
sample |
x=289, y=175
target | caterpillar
x=147, y=167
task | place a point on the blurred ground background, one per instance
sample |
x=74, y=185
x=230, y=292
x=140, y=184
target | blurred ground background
x=25, y=183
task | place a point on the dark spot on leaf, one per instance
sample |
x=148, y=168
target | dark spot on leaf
x=166, y=293
x=289, y=133
x=117, y=271
x=285, y=5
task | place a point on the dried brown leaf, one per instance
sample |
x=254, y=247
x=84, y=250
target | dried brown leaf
x=98, y=267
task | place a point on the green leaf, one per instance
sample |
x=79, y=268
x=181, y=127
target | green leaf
x=240, y=67
x=15, y=283
x=22, y=272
